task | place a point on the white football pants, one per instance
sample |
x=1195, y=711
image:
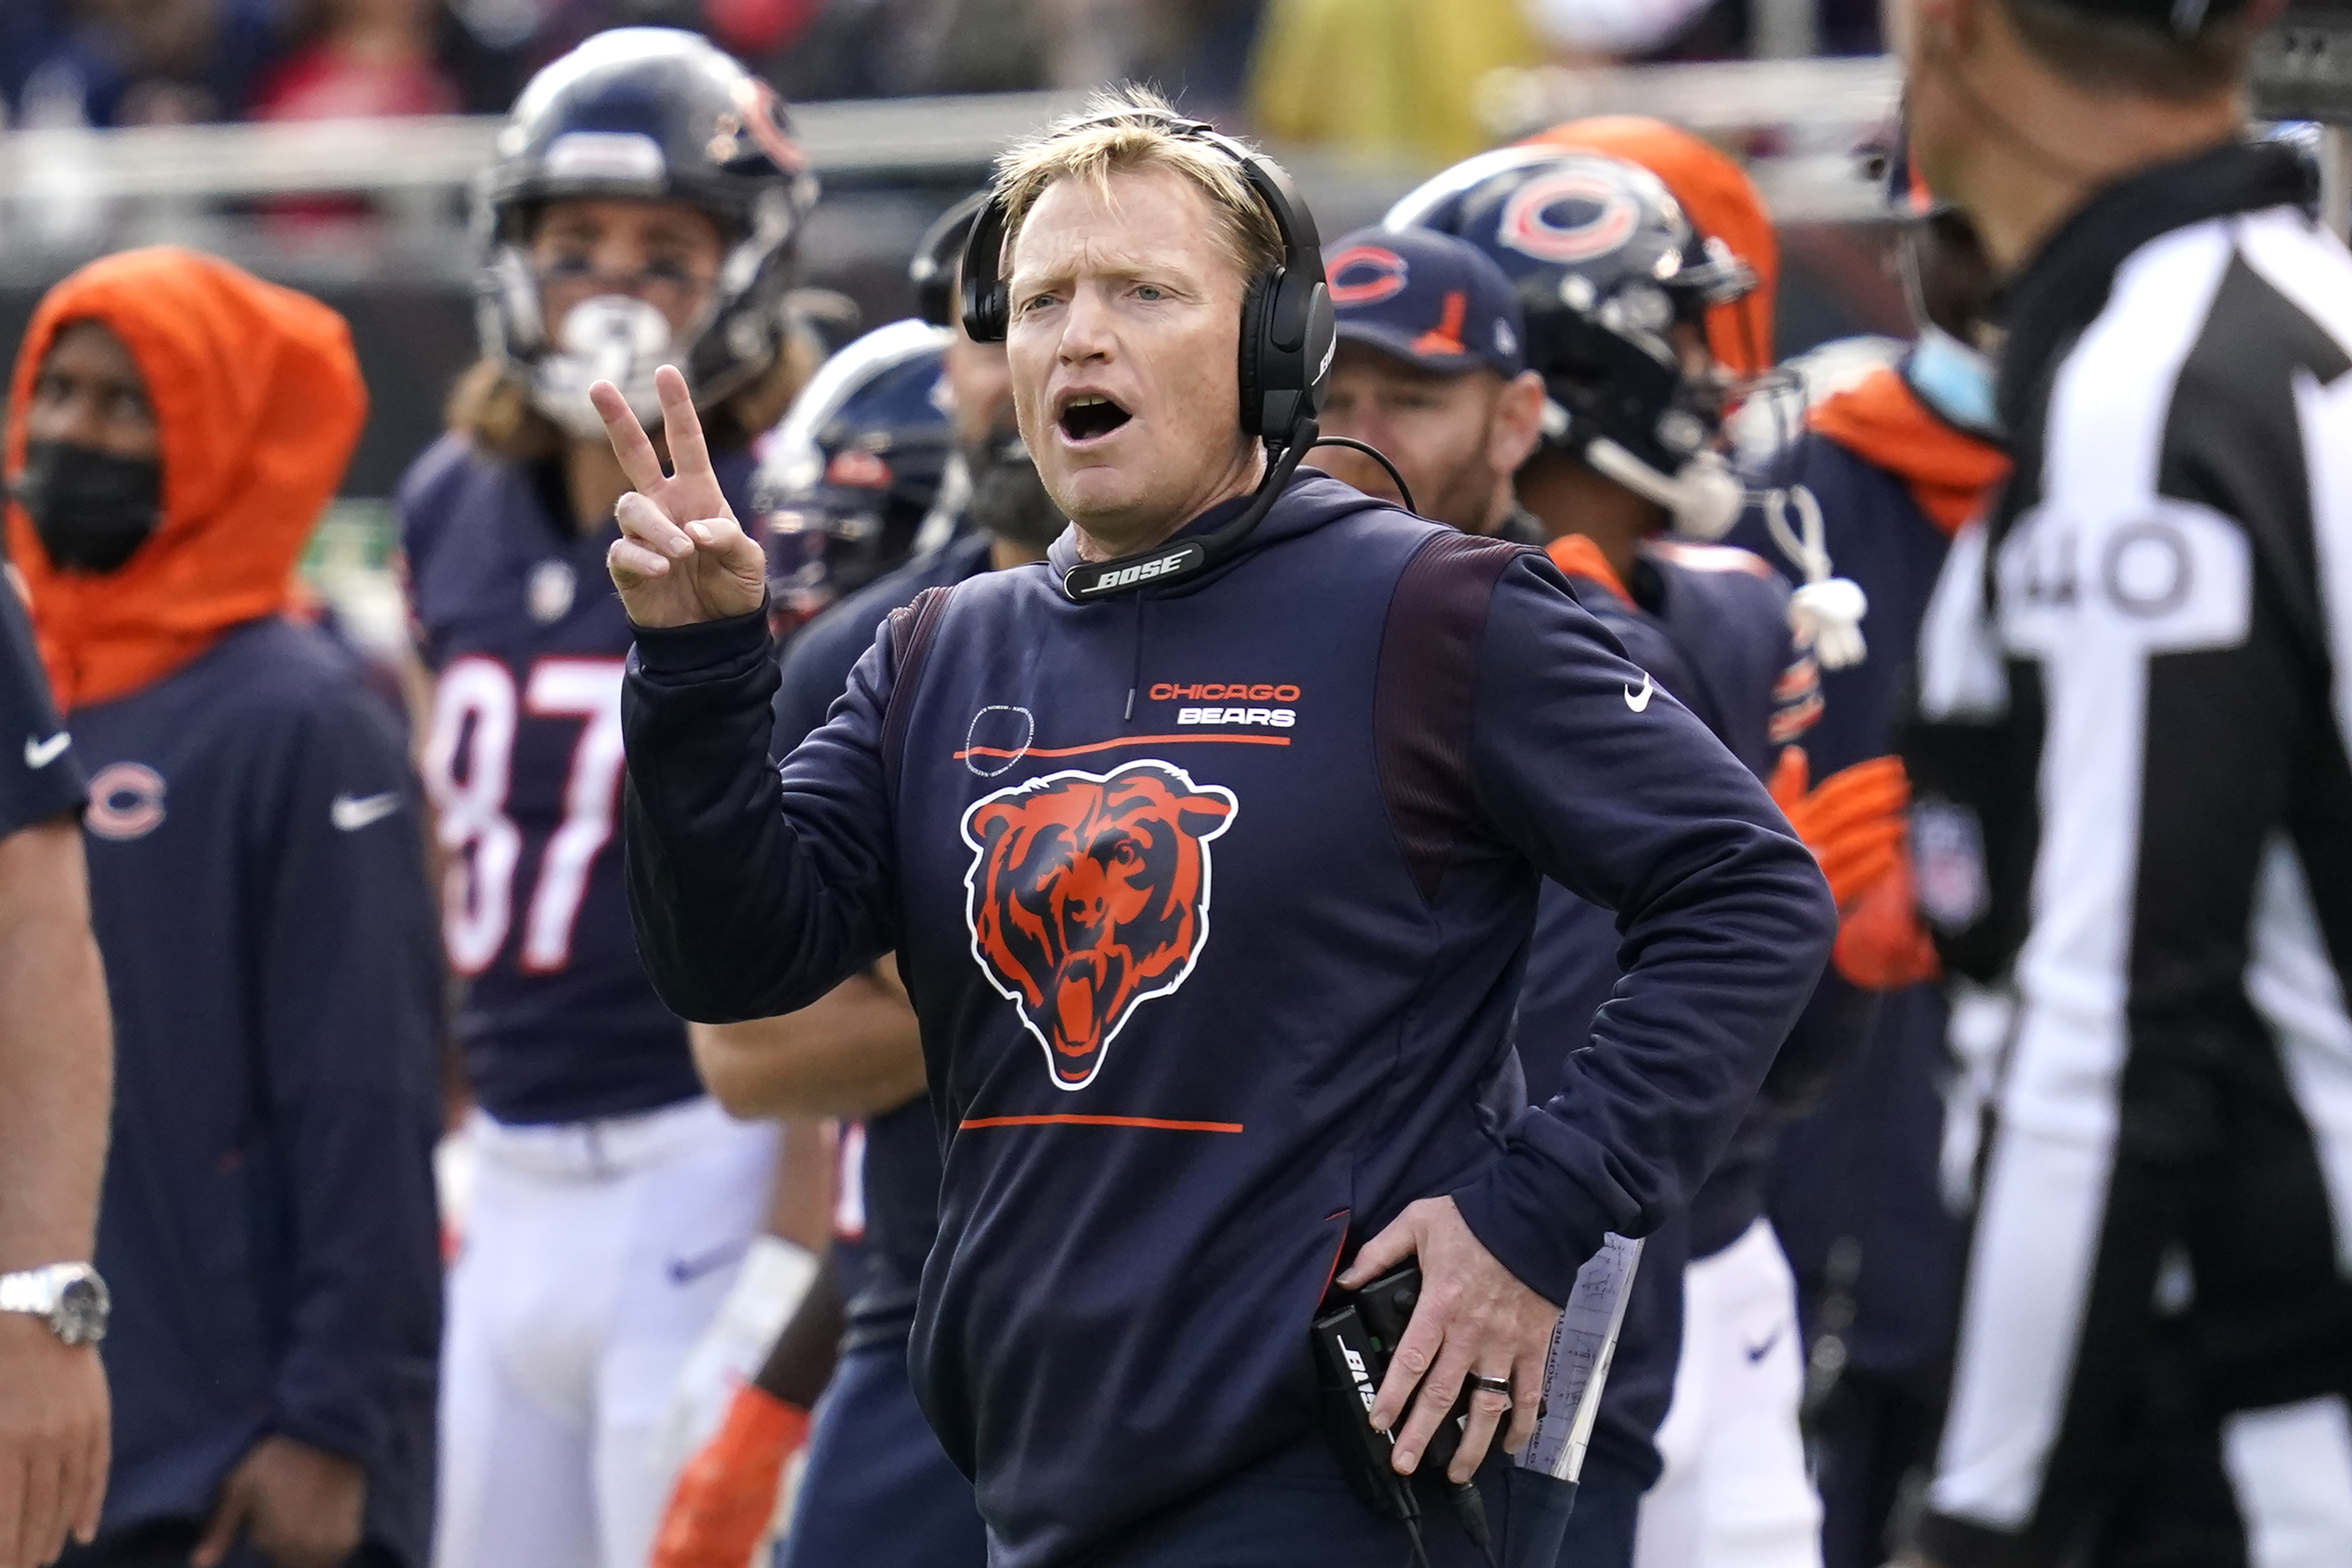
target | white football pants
x=593, y=1255
x=1734, y=1493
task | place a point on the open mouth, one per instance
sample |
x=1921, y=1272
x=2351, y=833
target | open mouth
x=1090, y=417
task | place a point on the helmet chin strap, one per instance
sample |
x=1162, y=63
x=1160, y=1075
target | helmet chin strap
x=1703, y=499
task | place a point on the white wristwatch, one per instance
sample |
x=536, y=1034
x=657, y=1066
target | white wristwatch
x=69, y=1297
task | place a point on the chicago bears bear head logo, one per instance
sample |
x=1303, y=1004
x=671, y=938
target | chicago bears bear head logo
x=1088, y=895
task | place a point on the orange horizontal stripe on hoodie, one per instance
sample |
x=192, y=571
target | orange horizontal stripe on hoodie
x=1950, y=474
x=258, y=404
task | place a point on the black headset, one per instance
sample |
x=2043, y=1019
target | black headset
x=1288, y=339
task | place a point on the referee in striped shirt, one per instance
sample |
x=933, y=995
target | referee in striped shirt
x=2135, y=828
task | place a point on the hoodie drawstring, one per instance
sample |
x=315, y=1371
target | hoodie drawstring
x=1826, y=610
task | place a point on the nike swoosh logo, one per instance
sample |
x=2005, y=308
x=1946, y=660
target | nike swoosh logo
x=1758, y=1354
x=352, y=813
x=686, y=1270
x=1638, y=701
x=41, y=754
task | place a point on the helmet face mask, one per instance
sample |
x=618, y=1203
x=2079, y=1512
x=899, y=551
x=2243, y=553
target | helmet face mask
x=609, y=336
x=1615, y=286
x=643, y=114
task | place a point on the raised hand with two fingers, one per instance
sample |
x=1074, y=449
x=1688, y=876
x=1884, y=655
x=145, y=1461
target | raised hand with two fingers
x=682, y=557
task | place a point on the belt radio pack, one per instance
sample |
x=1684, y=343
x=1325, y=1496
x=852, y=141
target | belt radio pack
x=1355, y=1337
x=1354, y=1340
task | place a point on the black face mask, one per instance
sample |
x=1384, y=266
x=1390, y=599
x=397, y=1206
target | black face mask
x=93, y=509
x=1008, y=500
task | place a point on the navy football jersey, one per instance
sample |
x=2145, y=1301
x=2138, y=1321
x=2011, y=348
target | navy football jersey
x=525, y=639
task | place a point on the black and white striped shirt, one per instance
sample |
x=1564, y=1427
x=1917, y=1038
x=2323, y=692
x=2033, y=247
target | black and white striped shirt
x=2135, y=818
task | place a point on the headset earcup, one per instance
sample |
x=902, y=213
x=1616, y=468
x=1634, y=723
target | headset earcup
x=1321, y=347
x=1257, y=303
x=1281, y=385
x=985, y=309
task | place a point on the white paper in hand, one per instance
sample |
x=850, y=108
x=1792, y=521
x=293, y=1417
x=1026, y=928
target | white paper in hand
x=1578, y=1367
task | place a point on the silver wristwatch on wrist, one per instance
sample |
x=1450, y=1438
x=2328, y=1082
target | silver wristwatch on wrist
x=69, y=1297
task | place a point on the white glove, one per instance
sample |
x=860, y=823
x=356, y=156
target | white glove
x=1827, y=618
x=769, y=1287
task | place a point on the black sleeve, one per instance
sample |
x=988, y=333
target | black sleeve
x=40, y=777
x=754, y=889
x=815, y=674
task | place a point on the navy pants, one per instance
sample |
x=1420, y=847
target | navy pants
x=1600, y=1531
x=878, y=1491
x=1293, y=1510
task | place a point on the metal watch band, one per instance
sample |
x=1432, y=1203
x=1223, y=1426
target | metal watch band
x=70, y=1298
x=33, y=1290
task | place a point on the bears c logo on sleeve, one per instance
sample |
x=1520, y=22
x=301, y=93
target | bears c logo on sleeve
x=1090, y=896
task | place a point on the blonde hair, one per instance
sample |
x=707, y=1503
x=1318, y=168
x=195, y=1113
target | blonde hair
x=1123, y=130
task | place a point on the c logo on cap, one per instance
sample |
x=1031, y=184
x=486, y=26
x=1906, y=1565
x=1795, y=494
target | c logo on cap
x=1602, y=218
x=1381, y=275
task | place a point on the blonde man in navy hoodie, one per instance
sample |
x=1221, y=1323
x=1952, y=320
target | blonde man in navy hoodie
x=1209, y=849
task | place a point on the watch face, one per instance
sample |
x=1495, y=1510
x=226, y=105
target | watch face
x=81, y=1312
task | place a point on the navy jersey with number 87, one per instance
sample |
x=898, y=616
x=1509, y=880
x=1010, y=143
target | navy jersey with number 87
x=523, y=761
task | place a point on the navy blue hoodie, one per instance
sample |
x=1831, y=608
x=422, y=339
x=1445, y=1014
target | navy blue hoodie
x=257, y=889
x=1214, y=904
x=257, y=872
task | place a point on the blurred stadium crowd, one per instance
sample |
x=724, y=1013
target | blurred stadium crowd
x=147, y=62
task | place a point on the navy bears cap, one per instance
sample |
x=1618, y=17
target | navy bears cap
x=1427, y=298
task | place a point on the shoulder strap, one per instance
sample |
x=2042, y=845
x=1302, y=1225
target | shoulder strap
x=913, y=629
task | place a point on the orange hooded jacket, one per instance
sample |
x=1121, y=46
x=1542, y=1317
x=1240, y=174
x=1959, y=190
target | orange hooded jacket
x=1721, y=202
x=258, y=404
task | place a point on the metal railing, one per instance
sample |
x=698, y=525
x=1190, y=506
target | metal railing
x=66, y=194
